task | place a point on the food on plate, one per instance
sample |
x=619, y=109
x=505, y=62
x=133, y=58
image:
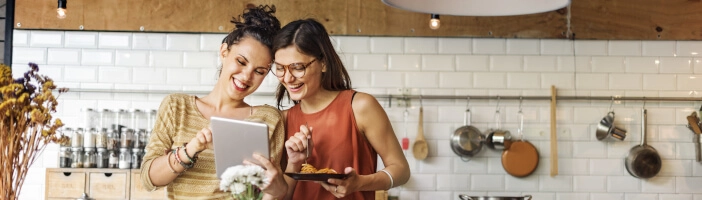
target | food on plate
x=309, y=169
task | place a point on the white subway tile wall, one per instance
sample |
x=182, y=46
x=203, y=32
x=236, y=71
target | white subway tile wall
x=589, y=169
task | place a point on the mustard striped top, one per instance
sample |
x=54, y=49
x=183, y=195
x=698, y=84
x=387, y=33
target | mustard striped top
x=178, y=122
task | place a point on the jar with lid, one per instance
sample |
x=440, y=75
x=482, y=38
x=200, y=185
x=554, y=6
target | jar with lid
x=103, y=158
x=89, y=138
x=125, y=158
x=77, y=157
x=90, y=118
x=77, y=138
x=140, y=139
x=136, y=158
x=89, y=158
x=105, y=119
x=112, y=140
x=65, y=157
x=127, y=139
x=101, y=138
x=151, y=120
x=113, y=160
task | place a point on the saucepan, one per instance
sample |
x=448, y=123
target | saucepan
x=466, y=197
x=467, y=140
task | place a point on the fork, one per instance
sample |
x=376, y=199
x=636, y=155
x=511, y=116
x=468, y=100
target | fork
x=309, y=142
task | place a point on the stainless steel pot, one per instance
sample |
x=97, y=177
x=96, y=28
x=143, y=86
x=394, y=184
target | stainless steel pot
x=466, y=197
x=467, y=140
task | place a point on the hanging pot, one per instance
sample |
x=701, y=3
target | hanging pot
x=522, y=158
x=643, y=160
x=497, y=138
x=467, y=141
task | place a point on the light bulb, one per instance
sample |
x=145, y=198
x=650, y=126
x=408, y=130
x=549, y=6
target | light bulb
x=61, y=13
x=434, y=23
x=61, y=10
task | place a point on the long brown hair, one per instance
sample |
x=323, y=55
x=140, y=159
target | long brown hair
x=311, y=38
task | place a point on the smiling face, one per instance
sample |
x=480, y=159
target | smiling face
x=307, y=85
x=244, y=66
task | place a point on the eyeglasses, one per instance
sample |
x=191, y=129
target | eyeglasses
x=296, y=69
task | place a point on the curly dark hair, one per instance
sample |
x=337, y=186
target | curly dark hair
x=256, y=22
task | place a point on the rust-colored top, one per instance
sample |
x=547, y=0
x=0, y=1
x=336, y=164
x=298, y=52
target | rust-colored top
x=520, y=159
x=336, y=143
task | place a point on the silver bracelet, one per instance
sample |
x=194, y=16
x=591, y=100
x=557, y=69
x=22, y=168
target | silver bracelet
x=392, y=182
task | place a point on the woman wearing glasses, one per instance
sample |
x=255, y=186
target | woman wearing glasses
x=177, y=154
x=348, y=129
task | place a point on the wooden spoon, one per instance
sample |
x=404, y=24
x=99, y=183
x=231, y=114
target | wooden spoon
x=420, y=148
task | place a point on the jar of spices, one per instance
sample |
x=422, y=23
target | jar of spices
x=90, y=158
x=65, y=157
x=101, y=139
x=113, y=160
x=112, y=140
x=89, y=138
x=103, y=158
x=140, y=139
x=125, y=158
x=136, y=158
x=127, y=139
x=77, y=138
x=77, y=157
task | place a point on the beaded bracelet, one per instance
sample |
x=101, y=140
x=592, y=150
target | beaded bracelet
x=186, y=166
x=168, y=162
x=194, y=158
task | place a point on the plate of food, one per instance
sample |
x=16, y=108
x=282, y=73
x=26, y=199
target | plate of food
x=310, y=173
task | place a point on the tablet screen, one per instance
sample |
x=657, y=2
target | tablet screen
x=236, y=140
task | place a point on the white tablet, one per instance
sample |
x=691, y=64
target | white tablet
x=236, y=140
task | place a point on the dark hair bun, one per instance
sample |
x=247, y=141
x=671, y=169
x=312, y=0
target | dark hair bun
x=259, y=17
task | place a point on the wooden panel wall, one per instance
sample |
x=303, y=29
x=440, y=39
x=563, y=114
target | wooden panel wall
x=590, y=19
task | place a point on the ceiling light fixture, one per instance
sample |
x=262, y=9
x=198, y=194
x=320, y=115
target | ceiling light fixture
x=478, y=7
x=61, y=10
x=434, y=22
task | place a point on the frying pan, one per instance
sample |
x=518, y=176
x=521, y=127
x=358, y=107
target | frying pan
x=522, y=158
x=643, y=160
x=467, y=141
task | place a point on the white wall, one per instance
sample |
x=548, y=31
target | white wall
x=589, y=169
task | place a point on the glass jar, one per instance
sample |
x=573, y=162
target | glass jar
x=89, y=138
x=65, y=157
x=127, y=139
x=77, y=157
x=90, y=118
x=140, y=139
x=112, y=140
x=136, y=158
x=77, y=138
x=101, y=138
x=125, y=158
x=89, y=158
x=103, y=158
x=151, y=121
x=113, y=160
x=105, y=119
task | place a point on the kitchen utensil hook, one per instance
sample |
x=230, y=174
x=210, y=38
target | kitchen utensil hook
x=497, y=114
x=521, y=99
x=610, y=104
x=644, y=102
x=421, y=103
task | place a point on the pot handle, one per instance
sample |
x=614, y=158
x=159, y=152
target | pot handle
x=527, y=197
x=464, y=197
x=467, y=116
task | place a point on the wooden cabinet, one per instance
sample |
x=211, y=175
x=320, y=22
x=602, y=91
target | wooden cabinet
x=139, y=192
x=108, y=184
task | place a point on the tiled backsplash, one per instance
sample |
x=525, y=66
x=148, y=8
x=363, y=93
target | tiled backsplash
x=588, y=169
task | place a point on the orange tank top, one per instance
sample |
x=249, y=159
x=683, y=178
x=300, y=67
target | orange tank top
x=337, y=144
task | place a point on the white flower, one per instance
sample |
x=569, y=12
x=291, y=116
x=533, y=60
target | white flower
x=238, y=178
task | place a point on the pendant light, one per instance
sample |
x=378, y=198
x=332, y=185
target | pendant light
x=434, y=22
x=61, y=10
